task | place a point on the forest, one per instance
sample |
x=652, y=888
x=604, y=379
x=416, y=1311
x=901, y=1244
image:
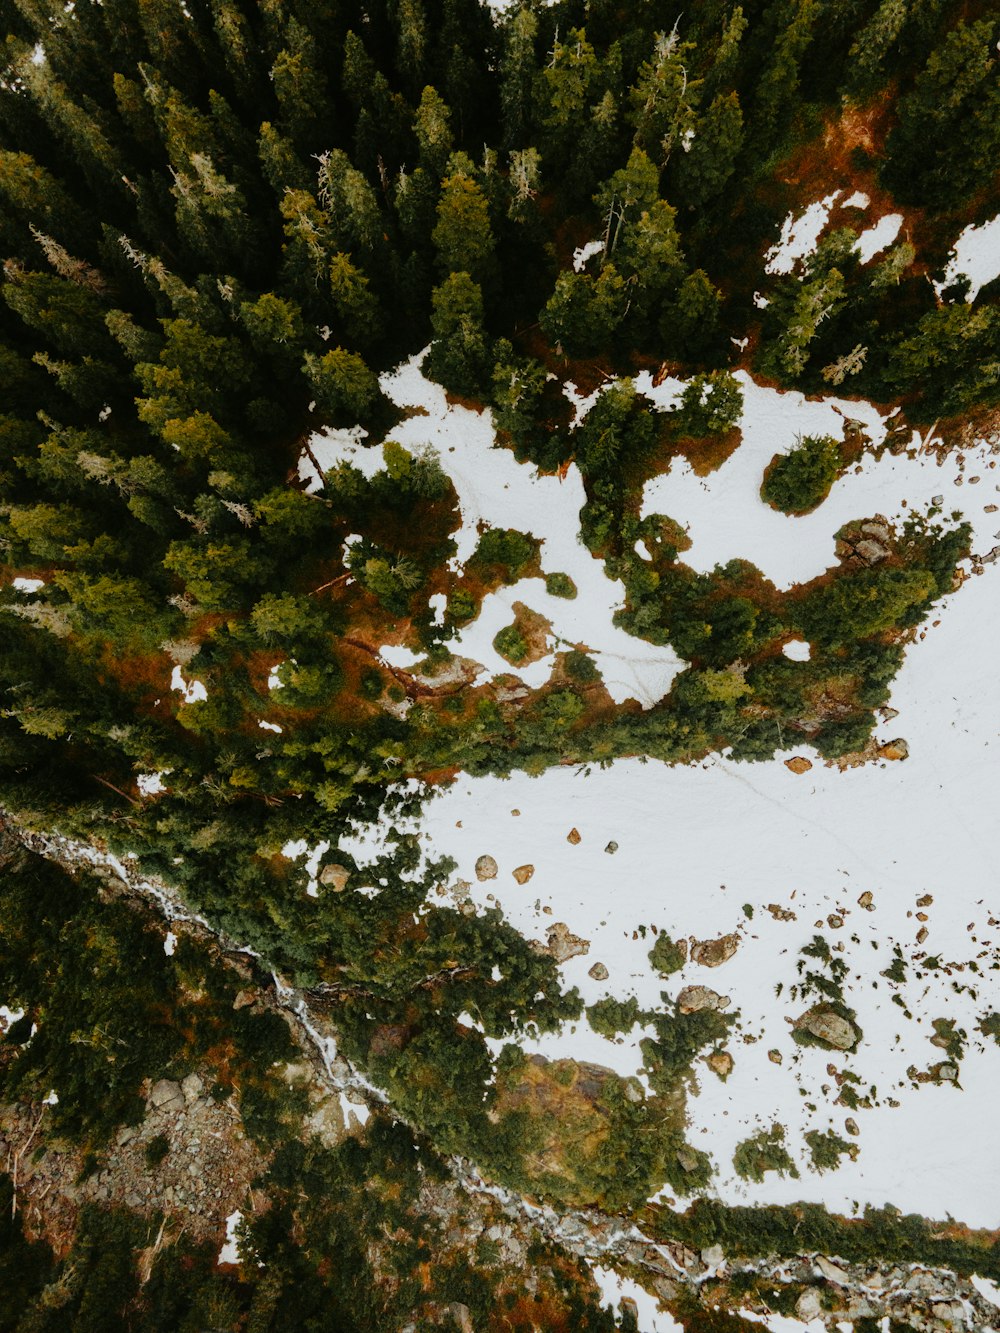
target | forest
x=220, y=224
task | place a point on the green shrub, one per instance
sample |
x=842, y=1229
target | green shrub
x=582, y=668
x=666, y=956
x=800, y=480
x=762, y=1152
x=826, y=1150
x=511, y=644
x=560, y=585
x=513, y=551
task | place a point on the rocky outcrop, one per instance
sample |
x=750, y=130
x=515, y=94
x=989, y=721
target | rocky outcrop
x=713, y=953
x=693, y=999
x=824, y=1023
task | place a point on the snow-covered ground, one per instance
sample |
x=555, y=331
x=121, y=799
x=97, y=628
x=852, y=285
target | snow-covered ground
x=726, y=519
x=696, y=844
x=976, y=255
x=707, y=849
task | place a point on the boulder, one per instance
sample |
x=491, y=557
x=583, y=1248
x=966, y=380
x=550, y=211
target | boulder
x=165, y=1095
x=334, y=876
x=523, y=873
x=809, y=1305
x=871, y=552
x=721, y=1063
x=799, y=764
x=486, y=868
x=563, y=944
x=692, y=999
x=713, y=953
x=824, y=1022
x=598, y=972
x=897, y=749
x=573, y=836
x=192, y=1087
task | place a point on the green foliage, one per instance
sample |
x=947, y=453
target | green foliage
x=826, y=1150
x=764, y=1152
x=710, y=405
x=560, y=585
x=511, y=644
x=666, y=956
x=345, y=388
x=865, y=603
x=799, y=481
x=506, y=550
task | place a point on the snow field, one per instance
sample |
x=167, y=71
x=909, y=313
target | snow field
x=697, y=843
x=726, y=519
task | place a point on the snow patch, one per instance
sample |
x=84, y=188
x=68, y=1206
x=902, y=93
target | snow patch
x=797, y=650
x=229, y=1253
x=615, y=1289
x=726, y=519
x=976, y=254
x=297, y=848
x=799, y=235
x=170, y=943
x=151, y=784
x=585, y=252
x=28, y=585
x=194, y=691
x=876, y=238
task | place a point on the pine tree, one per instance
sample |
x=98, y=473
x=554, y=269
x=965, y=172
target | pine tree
x=462, y=235
x=664, y=97
x=709, y=158
x=345, y=388
x=948, y=137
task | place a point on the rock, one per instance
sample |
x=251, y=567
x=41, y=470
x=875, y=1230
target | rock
x=125, y=1135
x=897, y=749
x=809, y=1305
x=721, y=1063
x=948, y=1072
x=598, y=972
x=824, y=1022
x=950, y=1313
x=831, y=1271
x=922, y=1282
x=563, y=944
x=611, y=848
x=166, y=1095
x=523, y=873
x=486, y=868
x=774, y=1056
x=781, y=913
x=688, y=1159
x=334, y=876
x=692, y=999
x=800, y=764
x=244, y=999
x=713, y=953
x=573, y=836
x=880, y=531
x=192, y=1087
x=851, y=1125
x=835, y=921
x=865, y=901
x=713, y=1256
x=462, y=1316
x=871, y=552
x=887, y=714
